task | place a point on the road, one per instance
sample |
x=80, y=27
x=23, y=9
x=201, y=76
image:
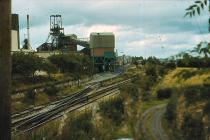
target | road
x=151, y=123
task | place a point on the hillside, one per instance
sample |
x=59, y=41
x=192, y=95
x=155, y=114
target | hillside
x=182, y=77
x=188, y=111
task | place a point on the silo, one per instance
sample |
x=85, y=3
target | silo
x=15, y=42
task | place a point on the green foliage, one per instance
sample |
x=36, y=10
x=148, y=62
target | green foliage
x=80, y=128
x=72, y=63
x=193, y=128
x=151, y=70
x=51, y=90
x=26, y=64
x=196, y=93
x=132, y=90
x=207, y=109
x=49, y=67
x=145, y=82
x=153, y=60
x=113, y=110
x=196, y=8
x=171, y=108
x=187, y=59
x=136, y=60
x=31, y=94
x=164, y=93
x=191, y=94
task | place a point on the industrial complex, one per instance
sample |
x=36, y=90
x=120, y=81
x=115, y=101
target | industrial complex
x=99, y=46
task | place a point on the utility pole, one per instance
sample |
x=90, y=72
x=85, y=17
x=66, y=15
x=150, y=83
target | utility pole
x=5, y=69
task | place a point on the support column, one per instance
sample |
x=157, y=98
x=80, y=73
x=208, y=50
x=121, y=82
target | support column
x=5, y=69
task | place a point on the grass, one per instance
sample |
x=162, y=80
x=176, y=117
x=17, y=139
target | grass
x=22, y=102
x=185, y=77
x=153, y=102
x=180, y=79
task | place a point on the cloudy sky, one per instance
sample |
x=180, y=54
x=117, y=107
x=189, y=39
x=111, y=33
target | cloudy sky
x=141, y=27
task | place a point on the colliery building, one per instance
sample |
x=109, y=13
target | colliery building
x=102, y=50
x=99, y=47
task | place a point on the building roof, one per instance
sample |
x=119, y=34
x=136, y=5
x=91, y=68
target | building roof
x=101, y=33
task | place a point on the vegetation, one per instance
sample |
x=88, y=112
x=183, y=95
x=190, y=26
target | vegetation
x=72, y=63
x=193, y=128
x=196, y=7
x=164, y=93
x=26, y=64
x=188, y=108
x=51, y=90
x=113, y=110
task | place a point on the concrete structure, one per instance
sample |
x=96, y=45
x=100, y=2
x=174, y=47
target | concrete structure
x=15, y=35
x=102, y=50
x=101, y=43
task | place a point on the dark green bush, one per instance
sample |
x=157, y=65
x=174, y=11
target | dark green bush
x=113, y=110
x=30, y=95
x=193, y=128
x=192, y=94
x=171, y=109
x=80, y=128
x=132, y=90
x=207, y=109
x=51, y=90
x=164, y=93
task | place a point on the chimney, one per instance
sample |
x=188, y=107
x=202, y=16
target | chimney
x=28, y=35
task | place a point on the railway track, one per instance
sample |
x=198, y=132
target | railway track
x=24, y=122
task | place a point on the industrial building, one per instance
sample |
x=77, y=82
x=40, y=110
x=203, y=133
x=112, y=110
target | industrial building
x=15, y=35
x=99, y=46
x=102, y=50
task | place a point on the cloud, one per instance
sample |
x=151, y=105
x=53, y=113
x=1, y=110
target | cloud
x=141, y=27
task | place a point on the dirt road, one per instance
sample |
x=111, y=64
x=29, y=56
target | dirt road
x=151, y=123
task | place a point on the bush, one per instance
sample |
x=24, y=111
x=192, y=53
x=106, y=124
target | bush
x=51, y=90
x=193, y=128
x=80, y=128
x=206, y=109
x=132, y=90
x=26, y=64
x=30, y=96
x=72, y=63
x=192, y=94
x=171, y=109
x=113, y=110
x=151, y=70
x=164, y=93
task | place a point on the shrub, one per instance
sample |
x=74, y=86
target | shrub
x=26, y=64
x=206, y=109
x=31, y=94
x=51, y=90
x=133, y=91
x=164, y=93
x=171, y=109
x=192, y=94
x=80, y=128
x=113, y=110
x=193, y=128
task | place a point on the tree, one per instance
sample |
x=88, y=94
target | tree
x=202, y=48
x=196, y=7
x=26, y=64
x=49, y=68
x=72, y=63
x=5, y=69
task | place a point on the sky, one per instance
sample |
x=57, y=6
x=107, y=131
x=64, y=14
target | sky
x=141, y=27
